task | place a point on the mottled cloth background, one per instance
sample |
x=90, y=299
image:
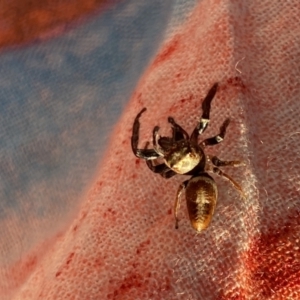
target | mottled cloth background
x=80, y=216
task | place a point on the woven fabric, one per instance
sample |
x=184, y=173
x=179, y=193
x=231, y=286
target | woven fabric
x=120, y=243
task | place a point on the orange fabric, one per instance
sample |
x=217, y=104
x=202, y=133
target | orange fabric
x=24, y=21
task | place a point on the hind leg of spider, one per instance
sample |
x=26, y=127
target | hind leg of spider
x=202, y=125
x=140, y=153
x=225, y=163
x=218, y=138
x=230, y=179
x=177, y=202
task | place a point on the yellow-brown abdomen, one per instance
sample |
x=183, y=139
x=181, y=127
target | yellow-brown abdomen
x=201, y=198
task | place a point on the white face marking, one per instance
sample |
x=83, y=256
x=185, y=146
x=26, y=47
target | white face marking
x=186, y=163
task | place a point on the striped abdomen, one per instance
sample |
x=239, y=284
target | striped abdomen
x=201, y=198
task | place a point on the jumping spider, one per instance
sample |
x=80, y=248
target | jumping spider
x=182, y=154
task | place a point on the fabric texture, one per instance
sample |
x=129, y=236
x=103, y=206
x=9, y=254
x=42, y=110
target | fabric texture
x=118, y=240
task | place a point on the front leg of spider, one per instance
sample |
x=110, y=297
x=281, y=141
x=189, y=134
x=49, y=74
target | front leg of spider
x=140, y=153
x=204, y=120
x=161, y=169
x=178, y=134
x=150, y=155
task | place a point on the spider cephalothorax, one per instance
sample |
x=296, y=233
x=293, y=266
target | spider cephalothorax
x=183, y=157
x=183, y=154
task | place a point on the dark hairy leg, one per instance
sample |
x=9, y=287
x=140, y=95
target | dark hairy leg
x=178, y=132
x=203, y=123
x=161, y=169
x=225, y=163
x=140, y=153
x=218, y=138
x=161, y=143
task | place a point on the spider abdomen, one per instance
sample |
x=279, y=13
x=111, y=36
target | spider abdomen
x=201, y=198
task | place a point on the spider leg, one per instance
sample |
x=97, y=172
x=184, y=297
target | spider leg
x=203, y=123
x=218, y=138
x=140, y=153
x=161, y=169
x=178, y=132
x=231, y=180
x=223, y=163
x=155, y=140
x=177, y=201
x=165, y=142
